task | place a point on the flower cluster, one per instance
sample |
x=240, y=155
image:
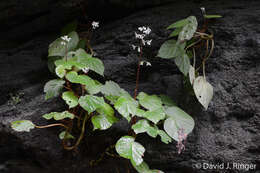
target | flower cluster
x=181, y=137
x=141, y=36
x=146, y=63
x=65, y=39
x=95, y=25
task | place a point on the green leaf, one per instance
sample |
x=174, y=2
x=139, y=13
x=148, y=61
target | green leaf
x=141, y=126
x=106, y=109
x=90, y=103
x=60, y=71
x=58, y=115
x=192, y=74
x=92, y=86
x=103, y=121
x=58, y=49
x=175, y=32
x=70, y=99
x=167, y=101
x=189, y=29
x=68, y=64
x=53, y=88
x=155, y=115
x=177, y=119
x=179, y=24
x=72, y=26
x=171, y=49
x=93, y=64
x=212, y=16
x=111, y=88
x=68, y=136
x=203, y=91
x=164, y=137
x=126, y=106
x=183, y=63
x=129, y=149
x=152, y=102
x=22, y=125
x=144, y=168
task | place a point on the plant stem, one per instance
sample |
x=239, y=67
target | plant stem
x=51, y=125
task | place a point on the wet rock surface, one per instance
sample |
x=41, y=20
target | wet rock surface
x=227, y=132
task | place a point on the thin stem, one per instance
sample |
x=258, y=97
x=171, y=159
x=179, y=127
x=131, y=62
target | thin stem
x=138, y=72
x=51, y=125
x=81, y=135
x=194, y=43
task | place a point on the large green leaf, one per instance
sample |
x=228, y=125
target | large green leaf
x=111, y=88
x=90, y=103
x=144, y=168
x=22, y=125
x=177, y=119
x=126, y=106
x=178, y=24
x=189, y=29
x=58, y=115
x=53, y=88
x=60, y=71
x=203, y=91
x=70, y=98
x=92, y=86
x=143, y=126
x=58, y=49
x=171, y=49
x=155, y=115
x=103, y=121
x=152, y=102
x=90, y=62
x=129, y=149
x=106, y=109
x=183, y=63
x=175, y=32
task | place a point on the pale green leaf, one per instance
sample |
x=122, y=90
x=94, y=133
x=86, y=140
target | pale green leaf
x=127, y=147
x=155, y=115
x=203, y=91
x=183, y=63
x=126, y=106
x=106, y=109
x=60, y=71
x=68, y=136
x=103, y=121
x=70, y=98
x=175, y=32
x=68, y=64
x=171, y=49
x=58, y=115
x=178, y=24
x=90, y=103
x=22, y=125
x=53, y=88
x=141, y=126
x=152, y=102
x=111, y=88
x=58, y=49
x=177, y=119
x=189, y=29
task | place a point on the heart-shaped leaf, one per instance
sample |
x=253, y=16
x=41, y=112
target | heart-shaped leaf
x=22, y=125
x=151, y=103
x=203, y=91
x=70, y=99
x=129, y=149
x=171, y=49
x=155, y=115
x=177, y=119
x=90, y=103
x=60, y=71
x=189, y=29
x=183, y=63
x=53, y=88
x=103, y=121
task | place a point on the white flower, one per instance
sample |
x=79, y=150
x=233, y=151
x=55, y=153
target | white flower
x=63, y=43
x=139, y=36
x=143, y=41
x=95, y=25
x=139, y=49
x=65, y=38
x=147, y=31
x=142, y=63
x=148, y=63
x=85, y=69
x=133, y=46
x=149, y=42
